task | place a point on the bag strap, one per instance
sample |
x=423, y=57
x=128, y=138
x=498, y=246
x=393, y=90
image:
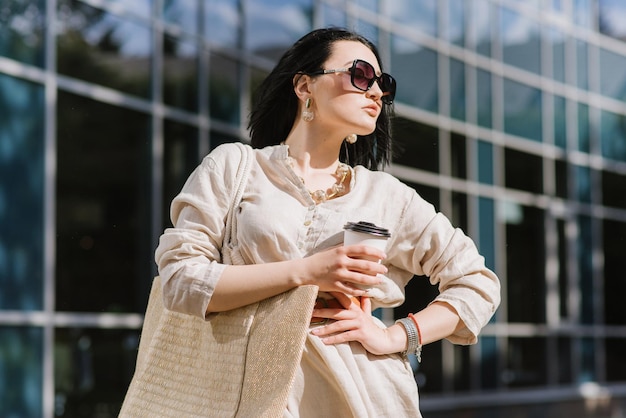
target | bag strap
x=229, y=256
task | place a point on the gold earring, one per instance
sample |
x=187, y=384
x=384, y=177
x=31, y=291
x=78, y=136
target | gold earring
x=351, y=139
x=307, y=114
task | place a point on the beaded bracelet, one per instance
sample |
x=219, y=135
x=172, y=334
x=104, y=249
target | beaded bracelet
x=414, y=345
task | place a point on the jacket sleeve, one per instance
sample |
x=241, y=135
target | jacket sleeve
x=189, y=254
x=427, y=244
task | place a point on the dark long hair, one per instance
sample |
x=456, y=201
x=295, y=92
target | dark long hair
x=275, y=103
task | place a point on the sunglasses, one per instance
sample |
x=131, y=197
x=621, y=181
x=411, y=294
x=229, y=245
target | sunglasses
x=363, y=76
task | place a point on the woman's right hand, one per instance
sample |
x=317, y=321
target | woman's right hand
x=344, y=268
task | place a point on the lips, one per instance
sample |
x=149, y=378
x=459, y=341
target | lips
x=372, y=110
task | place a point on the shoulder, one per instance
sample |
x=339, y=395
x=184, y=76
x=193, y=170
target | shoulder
x=383, y=182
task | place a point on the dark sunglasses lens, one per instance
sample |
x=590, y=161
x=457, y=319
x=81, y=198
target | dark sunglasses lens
x=388, y=86
x=362, y=75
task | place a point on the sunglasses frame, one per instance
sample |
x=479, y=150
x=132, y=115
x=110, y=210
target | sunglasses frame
x=383, y=78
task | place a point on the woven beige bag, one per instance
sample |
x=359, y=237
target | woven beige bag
x=239, y=363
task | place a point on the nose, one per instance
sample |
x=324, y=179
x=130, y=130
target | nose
x=375, y=92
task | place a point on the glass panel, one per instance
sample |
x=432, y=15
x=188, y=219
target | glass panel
x=521, y=41
x=560, y=122
x=484, y=98
x=416, y=14
x=457, y=89
x=458, y=156
x=462, y=374
x=565, y=360
x=486, y=231
x=481, y=24
x=416, y=145
x=99, y=47
x=588, y=363
x=614, y=236
x=183, y=13
x=523, y=171
x=21, y=368
x=557, y=39
x=613, y=135
x=21, y=194
x=93, y=368
x=408, y=61
x=485, y=162
x=455, y=30
x=564, y=288
x=180, y=73
x=180, y=157
x=224, y=89
x=429, y=375
x=458, y=217
x=272, y=26
x=585, y=270
x=582, y=61
x=526, y=258
x=222, y=22
x=583, y=128
x=560, y=168
x=333, y=16
x=371, y=5
x=103, y=204
x=611, y=18
x=140, y=8
x=22, y=30
x=613, y=189
x=218, y=138
x=522, y=110
x=367, y=29
x=526, y=363
x=256, y=78
x=583, y=184
x=612, y=74
x=615, y=359
x=583, y=13
x=489, y=369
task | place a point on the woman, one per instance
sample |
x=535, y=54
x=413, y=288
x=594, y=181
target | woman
x=321, y=129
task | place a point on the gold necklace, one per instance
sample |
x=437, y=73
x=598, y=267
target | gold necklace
x=336, y=190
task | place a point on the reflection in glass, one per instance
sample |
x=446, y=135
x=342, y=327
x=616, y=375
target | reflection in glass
x=183, y=13
x=21, y=194
x=564, y=285
x=180, y=73
x=99, y=47
x=485, y=162
x=526, y=363
x=416, y=145
x=613, y=135
x=420, y=14
x=102, y=207
x=523, y=171
x=582, y=61
x=526, y=259
x=489, y=362
x=455, y=28
x=582, y=13
x=557, y=39
x=584, y=134
x=481, y=24
x=520, y=41
x=614, y=240
x=21, y=368
x=180, y=157
x=457, y=89
x=272, y=26
x=484, y=98
x=224, y=89
x=611, y=18
x=416, y=71
x=333, y=16
x=560, y=122
x=583, y=184
x=585, y=252
x=93, y=368
x=486, y=231
x=22, y=30
x=612, y=74
x=522, y=110
x=222, y=22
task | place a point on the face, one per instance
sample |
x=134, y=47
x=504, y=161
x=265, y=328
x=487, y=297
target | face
x=339, y=105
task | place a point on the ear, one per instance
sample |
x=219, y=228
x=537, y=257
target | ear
x=302, y=84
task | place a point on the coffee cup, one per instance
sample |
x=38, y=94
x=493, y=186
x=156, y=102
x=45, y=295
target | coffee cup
x=366, y=233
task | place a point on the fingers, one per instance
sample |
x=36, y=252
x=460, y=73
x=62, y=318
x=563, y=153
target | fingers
x=364, y=252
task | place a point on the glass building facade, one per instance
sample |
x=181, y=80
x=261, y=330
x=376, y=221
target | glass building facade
x=511, y=119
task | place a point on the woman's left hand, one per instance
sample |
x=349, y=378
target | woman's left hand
x=355, y=323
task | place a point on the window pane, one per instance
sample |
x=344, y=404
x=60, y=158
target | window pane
x=565, y=360
x=183, y=13
x=103, y=207
x=613, y=135
x=560, y=122
x=489, y=368
x=421, y=14
x=22, y=30
x=455, y=31
x=525, y=254
x=224, y=89
x=583, y=184
x=93, y=368
x=180, y=157
x=614, y=242
x=582, y=63
x=333, y=16
x=485, y=162
x=457, y=89
x=222, y=22
x=458, y=217
x=560, y=169
x=484, y=98
x=612, y=74
x=458, y=157
x=526, y=362
x=409, y=60
x=416, y=145
x=21, y=194
x=615, y=360
x=272, y=26
x=585, y=269
x=180, y=73
x=613, y=189
x=21, y=368
x=99, y=47
x=481, y=24
x=522, y=110
x=486, y=231
x=557, y=39
x=520, y=41
x=523, y=171
x=583, y=128
x=583, y=13
x=611, y=18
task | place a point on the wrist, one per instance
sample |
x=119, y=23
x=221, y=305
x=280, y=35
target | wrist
x=413, y=338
